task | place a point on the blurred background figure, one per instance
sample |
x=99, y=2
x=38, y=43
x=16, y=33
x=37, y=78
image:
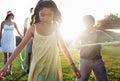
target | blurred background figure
x=90, y=56
x=28, y=47
x=7, y=38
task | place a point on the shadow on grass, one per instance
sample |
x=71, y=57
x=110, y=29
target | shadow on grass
x=20, y=76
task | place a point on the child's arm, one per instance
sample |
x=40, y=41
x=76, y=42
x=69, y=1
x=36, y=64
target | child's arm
x=1, y=31
x=18, y=30
x=67, y=55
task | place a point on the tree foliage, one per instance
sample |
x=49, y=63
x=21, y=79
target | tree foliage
x=109, y=22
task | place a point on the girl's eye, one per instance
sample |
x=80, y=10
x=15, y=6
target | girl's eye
x=42, y=14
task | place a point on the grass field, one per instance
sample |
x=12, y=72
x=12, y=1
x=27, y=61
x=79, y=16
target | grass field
x=111, y=56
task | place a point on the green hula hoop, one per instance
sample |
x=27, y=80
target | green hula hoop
x=100, y=43
x=22, y=60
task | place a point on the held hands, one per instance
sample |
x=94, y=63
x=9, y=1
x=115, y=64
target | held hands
x=1, y=76
x=75, y=69
x=2, y=72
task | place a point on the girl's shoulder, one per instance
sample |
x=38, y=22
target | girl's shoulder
x=32, y=28
x=14, y=23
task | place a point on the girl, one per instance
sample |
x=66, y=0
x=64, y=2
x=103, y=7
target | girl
x=8, y=41
x=45, y=62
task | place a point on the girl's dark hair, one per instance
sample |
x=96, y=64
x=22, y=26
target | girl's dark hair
x=8, y=16
x=45, y=4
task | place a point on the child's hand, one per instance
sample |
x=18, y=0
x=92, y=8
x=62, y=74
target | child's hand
x=2, y=71
x=1, y=76
x=77, y=72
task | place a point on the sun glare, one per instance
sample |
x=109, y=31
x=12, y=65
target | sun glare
x=70, y=29
x=73, y=10
x=114, y=30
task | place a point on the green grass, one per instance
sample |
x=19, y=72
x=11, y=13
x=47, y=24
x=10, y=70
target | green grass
x=111, y=56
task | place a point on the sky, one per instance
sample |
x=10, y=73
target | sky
x=72, y=12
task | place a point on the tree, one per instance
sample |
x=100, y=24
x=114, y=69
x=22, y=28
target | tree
x=109, y=22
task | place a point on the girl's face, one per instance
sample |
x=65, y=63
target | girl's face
x=88, y=23
x=46, y=15
x=11, y=17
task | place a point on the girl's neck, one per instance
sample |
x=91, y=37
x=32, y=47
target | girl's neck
x=46, y=24
x=8, y=22
x=45, y=28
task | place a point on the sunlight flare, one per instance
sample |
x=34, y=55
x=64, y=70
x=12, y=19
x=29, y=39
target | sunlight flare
x=113, y=30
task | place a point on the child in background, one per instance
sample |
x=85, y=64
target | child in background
x=28, y=47
x=8, y=39
x=90, y=56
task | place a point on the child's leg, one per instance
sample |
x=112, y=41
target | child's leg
x=99, y=70
x=85, y=69
x=5, y=58
x=10, y=66
x=29, y=56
